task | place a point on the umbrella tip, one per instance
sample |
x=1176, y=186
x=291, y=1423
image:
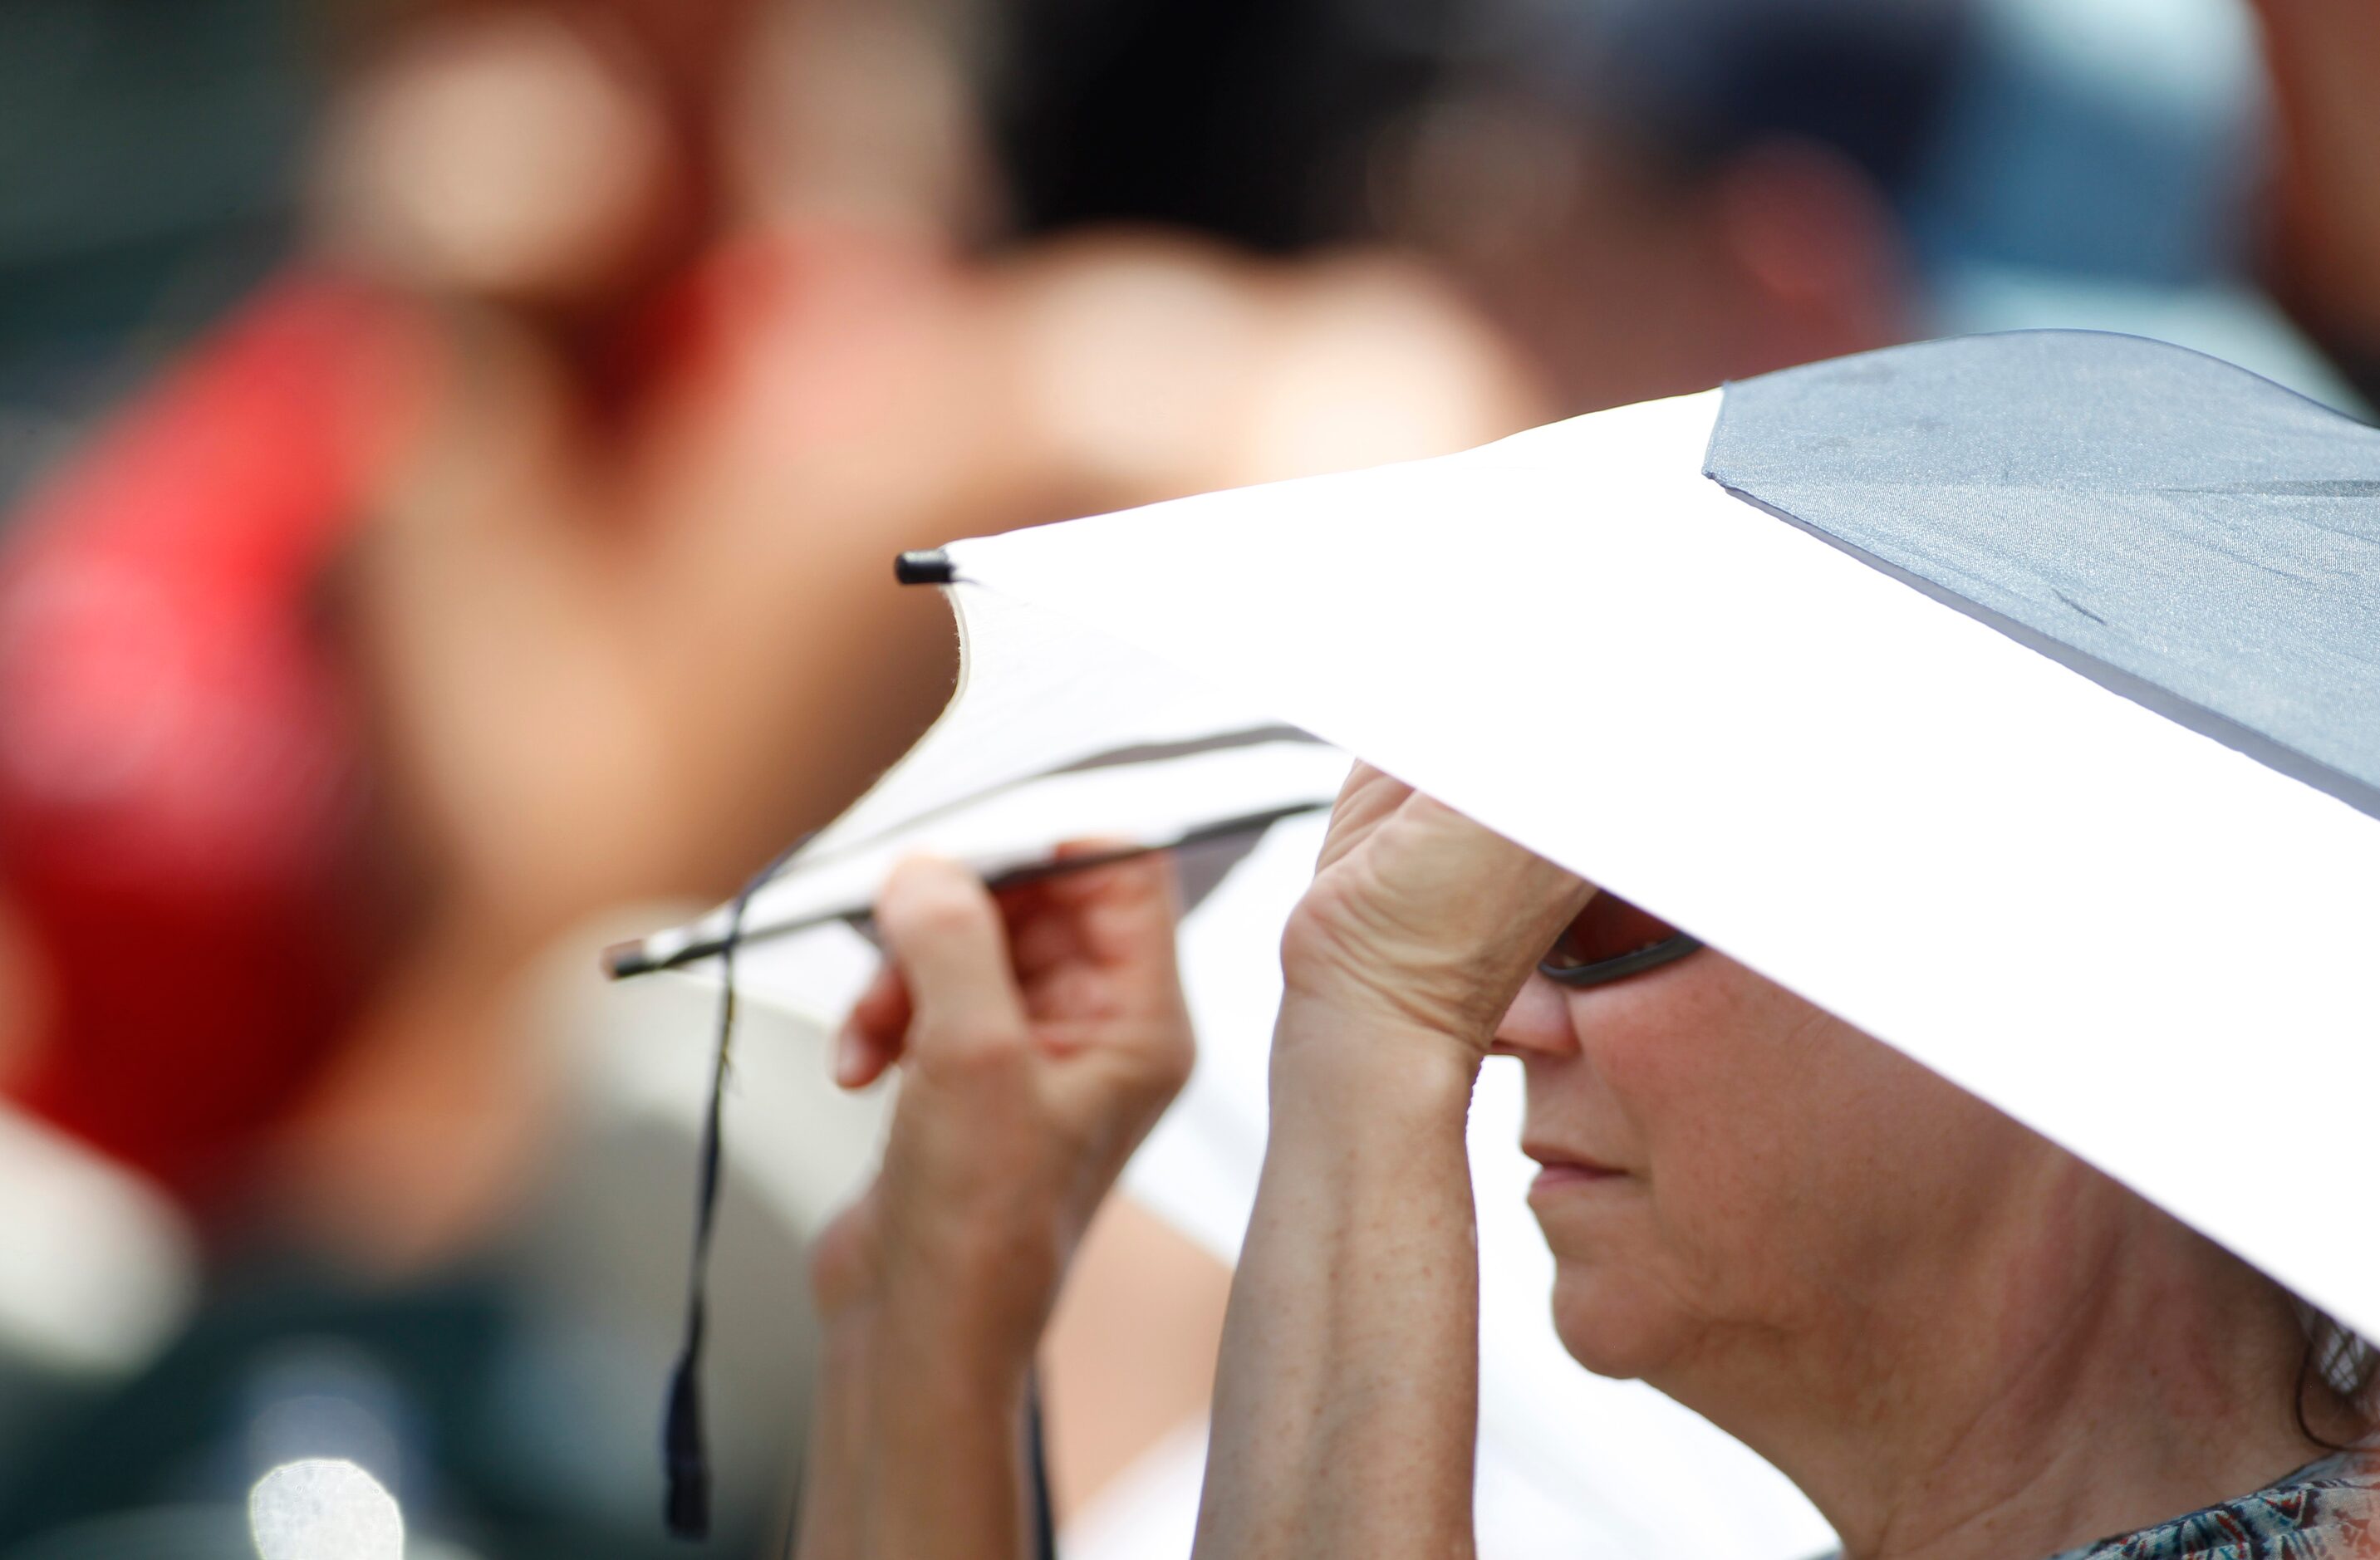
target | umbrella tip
x=931, y=567
x=625, y=959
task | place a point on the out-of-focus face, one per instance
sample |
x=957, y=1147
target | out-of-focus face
x=1727, y=1167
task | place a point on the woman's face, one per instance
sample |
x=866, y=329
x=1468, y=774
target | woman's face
x=1728, y=1168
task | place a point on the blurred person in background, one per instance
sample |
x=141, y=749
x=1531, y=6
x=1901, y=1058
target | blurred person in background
x=519, y=551
x=1653, y=197
x=1658, y=198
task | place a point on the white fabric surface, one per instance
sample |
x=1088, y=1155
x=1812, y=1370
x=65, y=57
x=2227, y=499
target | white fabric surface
x=2098, y=921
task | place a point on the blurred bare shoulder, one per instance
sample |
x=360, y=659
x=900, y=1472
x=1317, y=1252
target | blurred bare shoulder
x=1158, y=364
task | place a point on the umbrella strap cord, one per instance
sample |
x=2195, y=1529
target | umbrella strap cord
x=686, y=1462
x=685, y=1458
x=1037, y=1473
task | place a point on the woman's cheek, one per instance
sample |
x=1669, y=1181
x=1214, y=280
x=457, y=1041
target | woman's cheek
x=1657, y=1046
x=1720, y=1096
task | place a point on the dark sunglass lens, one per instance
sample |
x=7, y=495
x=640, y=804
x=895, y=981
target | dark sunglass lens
x=1609, y=927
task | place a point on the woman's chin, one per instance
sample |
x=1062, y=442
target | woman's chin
x=1606, y=1327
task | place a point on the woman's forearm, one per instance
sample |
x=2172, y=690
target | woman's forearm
x=1347, y=1398
x=916, y=1446
x=835, y=1453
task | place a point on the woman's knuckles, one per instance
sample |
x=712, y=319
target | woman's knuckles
x=943, y=929
x=971, y=1053
x=1442, y=947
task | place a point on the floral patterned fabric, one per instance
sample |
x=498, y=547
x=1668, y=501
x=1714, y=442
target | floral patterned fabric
x=2327, y=1510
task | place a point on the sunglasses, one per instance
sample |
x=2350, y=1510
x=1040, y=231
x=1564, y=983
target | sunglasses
x=1611, y=939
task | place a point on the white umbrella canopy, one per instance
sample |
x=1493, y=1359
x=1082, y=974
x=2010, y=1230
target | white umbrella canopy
x=2110, y=924
x=2016, y=698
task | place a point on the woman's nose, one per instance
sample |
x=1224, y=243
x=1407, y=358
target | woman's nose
x=1537, y=1023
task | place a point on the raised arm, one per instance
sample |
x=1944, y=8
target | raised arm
x=1347, y=1400
x=1039, y=1039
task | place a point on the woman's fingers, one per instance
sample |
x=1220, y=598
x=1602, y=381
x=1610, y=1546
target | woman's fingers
x=943, y=931
x=1422, y=915
x=1364, y=799
x=1081, y=961
x=872, y=1038
x=1119, y=916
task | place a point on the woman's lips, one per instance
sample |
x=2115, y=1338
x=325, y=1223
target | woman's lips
x=1559, y=1169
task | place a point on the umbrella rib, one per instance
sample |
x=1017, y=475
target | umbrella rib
x=1112, y=758
x=622, y=961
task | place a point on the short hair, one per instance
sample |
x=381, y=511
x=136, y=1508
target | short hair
x=2342, y=1365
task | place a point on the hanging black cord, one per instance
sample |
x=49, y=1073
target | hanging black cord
x=1037, y=1473
x=684, y=1461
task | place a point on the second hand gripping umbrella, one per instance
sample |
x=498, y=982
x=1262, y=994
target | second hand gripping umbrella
x=2016, y=698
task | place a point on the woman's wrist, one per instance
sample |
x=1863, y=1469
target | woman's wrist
x=984, y=1301
x=1352, y=1062
x=917, y=1442
x=980, y=1292
x=899, y=1342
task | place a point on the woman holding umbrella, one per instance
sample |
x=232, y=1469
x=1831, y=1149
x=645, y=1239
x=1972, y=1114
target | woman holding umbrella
x=1958, y=1339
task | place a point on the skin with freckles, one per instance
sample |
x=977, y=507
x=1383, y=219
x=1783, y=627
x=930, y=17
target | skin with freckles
x=1942, y=1326
x=1664, y=1082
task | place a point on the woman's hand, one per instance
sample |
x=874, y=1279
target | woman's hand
x=1419, y=919
x=1347, y=1399
x=1039, y=1037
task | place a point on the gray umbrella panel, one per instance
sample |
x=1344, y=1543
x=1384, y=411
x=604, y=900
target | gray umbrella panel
x=2186, y=534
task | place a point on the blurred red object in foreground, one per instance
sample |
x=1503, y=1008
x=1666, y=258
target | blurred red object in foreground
x=187, y=822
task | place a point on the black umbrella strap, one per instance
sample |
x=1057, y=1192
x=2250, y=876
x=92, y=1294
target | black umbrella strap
x=685, y=1462
x=1037, y=1471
